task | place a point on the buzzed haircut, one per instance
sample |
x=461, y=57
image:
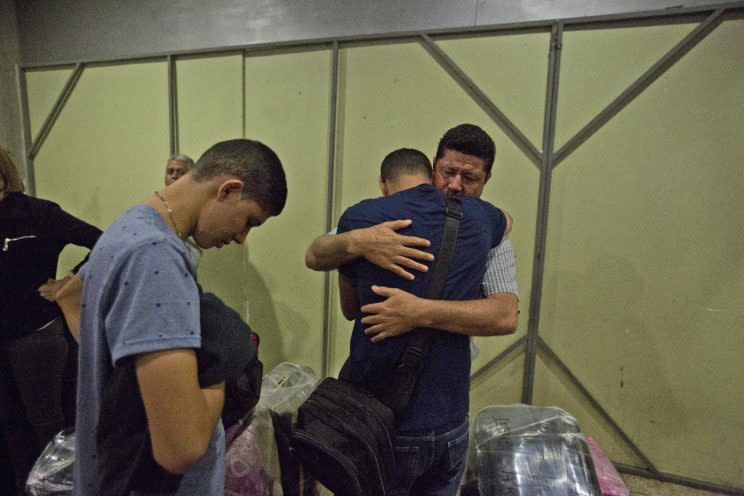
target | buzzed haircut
x=470, y=140
x=405, y=161
x=254, y=163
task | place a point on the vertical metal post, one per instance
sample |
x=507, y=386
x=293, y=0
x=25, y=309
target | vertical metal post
x=331, y=192
x=25, y=129
x=538, y=266
x=242, y=92
x=172, y=105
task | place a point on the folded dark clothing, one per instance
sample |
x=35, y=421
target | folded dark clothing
x=227, y=347
x=227, y=354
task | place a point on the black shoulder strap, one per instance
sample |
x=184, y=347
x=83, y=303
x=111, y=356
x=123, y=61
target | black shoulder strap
x=406, y=374
x=442, y=262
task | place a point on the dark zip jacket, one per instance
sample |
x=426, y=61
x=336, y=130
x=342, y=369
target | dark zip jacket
x=33, y=232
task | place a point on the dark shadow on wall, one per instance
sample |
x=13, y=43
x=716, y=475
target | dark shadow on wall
x=227, y=273
x=286, y=333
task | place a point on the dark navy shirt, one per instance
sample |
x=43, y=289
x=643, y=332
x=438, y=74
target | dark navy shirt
x=442, y=398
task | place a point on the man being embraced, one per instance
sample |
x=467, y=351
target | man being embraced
x=432, y=434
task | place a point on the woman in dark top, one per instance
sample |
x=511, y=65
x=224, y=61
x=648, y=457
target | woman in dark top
x=33, y=342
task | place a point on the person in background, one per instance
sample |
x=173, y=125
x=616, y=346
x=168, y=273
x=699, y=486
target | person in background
x=34, y=344
x=177, y=165
x=140, y=311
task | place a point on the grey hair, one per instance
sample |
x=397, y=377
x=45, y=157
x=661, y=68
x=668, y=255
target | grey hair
x=180, y=157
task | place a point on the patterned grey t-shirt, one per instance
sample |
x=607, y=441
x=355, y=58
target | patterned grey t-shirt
x=140, y=296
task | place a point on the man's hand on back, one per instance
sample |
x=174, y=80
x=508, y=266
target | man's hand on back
x=384, y=247
x=396, y=315
x=380, y=244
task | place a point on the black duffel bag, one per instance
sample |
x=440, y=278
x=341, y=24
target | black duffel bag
x=343, y=436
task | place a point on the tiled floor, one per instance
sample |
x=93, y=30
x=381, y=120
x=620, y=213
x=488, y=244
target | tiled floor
x=640, y=486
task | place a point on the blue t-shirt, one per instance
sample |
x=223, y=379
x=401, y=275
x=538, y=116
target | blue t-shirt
x=139, y=296
x=442, y=398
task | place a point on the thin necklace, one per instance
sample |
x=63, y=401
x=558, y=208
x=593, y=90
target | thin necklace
x=170, y=214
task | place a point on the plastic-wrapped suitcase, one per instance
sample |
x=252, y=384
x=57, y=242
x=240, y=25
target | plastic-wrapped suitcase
x=521, y=450
x=52, y=474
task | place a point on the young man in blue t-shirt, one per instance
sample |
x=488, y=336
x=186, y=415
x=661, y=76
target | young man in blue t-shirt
x=140, y=310
x=431, y=436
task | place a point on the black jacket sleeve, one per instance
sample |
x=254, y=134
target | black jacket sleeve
x=71, y=230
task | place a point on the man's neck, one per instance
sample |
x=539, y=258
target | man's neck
x=184, y=199
x=406, y=182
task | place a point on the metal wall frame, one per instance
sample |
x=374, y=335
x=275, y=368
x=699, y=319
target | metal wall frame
x=546, y=159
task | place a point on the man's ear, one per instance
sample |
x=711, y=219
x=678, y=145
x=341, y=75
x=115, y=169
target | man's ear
x=230, y=188
x=383, y=185
x=488, y=176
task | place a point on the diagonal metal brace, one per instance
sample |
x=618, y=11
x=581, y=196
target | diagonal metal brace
x=643, y=82
x=511, y=130
x=497, y=359
x=595, y=404
x=56, y=110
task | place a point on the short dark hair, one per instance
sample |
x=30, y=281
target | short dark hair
x=253, y=163
x=405, y=161
x=471, y=140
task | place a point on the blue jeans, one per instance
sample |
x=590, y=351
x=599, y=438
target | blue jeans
x=430, y=465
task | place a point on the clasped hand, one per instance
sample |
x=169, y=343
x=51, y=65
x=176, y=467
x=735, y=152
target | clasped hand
x=398, y=314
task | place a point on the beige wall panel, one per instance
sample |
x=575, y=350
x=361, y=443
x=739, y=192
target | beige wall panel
x=210, y=101
x=43, y=87
x=501, y=386
x=597, y=65
x=210, y=109
x=644, y=280
x=497, y=65
x=103, y=153
x=287, y=104
x=553, y=388
x=396, y=95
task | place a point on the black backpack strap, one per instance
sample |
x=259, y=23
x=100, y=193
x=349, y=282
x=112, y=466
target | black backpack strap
x=406, y=374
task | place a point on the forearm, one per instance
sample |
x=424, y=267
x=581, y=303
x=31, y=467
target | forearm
x=181, y=416
x=330, y=251
x=492, y=316
x=69, y=299
x=184, y=451
x=214, y=399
